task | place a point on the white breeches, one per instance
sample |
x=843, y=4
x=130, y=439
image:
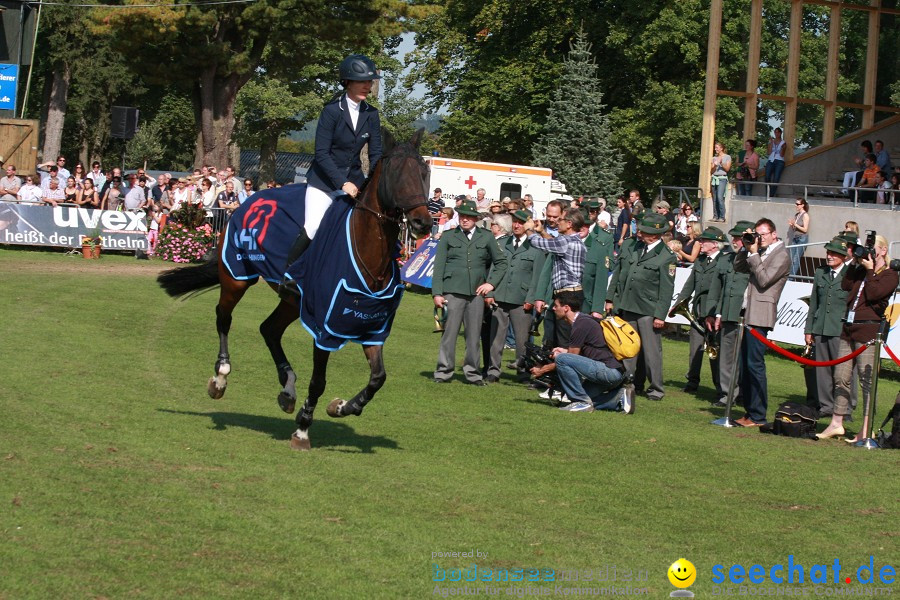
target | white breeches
x=317, y=202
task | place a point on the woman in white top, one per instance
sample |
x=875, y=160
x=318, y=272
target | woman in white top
x=206, y=194
x=775, y=164
x=29, y=192
x=684, y=220
x=721, y=164
x=182, y=194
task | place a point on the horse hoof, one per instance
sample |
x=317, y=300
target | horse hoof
x=299, y=444
x=334, y=408
x=213, y=390
x=287, y=403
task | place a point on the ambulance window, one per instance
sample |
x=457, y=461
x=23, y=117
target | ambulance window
x=512, y=190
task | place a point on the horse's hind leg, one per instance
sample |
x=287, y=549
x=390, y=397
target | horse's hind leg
x=272, y=330
x=354, y=406
x=230, y=294
x=300, y=438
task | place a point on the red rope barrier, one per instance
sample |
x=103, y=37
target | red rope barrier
x=891, y=354
x=806, y=361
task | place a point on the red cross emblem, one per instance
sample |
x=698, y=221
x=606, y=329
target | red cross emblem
x=470, y=182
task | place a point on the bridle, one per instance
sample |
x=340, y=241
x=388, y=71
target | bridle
x=396, y=213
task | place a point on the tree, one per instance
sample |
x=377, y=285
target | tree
x=216, y=49
x=577, y=142
x=146, y=146
x=267, y=107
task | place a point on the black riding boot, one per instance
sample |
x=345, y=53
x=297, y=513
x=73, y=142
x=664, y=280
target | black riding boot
x=289, y=286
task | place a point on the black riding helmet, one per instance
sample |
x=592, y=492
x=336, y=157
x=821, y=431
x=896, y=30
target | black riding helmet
x=357, y=67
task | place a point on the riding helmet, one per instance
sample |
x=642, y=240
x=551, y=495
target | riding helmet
x=357, y=67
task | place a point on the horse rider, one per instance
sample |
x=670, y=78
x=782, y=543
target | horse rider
x=346, y=124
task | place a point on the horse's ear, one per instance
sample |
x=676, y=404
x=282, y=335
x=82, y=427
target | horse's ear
x=387, y=141
x=416, y=140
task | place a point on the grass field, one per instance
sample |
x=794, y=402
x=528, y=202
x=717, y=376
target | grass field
x=120, y=478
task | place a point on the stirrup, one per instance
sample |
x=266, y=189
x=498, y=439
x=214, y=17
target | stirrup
x=288, y=289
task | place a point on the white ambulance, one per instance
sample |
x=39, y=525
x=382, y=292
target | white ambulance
x=464, y=177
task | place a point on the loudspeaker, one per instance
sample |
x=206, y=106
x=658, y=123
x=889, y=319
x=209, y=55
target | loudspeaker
x=124, y=122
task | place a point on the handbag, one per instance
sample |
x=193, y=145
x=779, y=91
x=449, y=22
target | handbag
x=745, y=172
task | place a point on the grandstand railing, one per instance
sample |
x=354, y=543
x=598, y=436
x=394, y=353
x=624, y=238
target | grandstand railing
x=858, y=196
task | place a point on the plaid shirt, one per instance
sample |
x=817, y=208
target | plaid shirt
x=568, y=258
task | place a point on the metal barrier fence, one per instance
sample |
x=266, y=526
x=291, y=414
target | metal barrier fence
x=678, y=195
x=859, y=197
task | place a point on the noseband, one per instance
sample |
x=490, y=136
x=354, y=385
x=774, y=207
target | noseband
x=392, y=214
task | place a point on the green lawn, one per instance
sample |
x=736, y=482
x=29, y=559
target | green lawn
x=120, y=478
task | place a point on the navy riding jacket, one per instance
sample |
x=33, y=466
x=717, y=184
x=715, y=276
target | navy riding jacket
x=338, y=145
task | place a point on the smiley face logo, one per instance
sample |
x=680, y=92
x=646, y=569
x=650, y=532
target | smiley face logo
x=682, y=573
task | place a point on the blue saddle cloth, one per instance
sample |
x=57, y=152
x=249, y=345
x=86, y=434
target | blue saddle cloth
x=336, y=305
x=261, y=231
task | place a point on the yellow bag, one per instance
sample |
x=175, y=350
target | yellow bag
x=623, y=341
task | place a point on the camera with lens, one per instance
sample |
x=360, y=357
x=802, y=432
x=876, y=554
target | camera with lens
x=867, y=249
x=538, y=356
x=750, y=238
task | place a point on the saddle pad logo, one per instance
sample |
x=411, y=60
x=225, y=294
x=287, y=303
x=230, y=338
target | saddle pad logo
x=255, y=225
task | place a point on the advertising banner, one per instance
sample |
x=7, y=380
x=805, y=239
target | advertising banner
x=9, y=81
x=64, y=226
x=419, y=267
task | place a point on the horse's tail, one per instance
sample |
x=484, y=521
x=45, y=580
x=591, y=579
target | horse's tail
x=177, y=282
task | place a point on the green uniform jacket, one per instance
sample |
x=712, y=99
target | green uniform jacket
x=726, y=292
x=647, y=283
x=699, y=283
x=620, y=272
x=597, y=265
x=519, y=281
x=460, y=265
x=827, y=303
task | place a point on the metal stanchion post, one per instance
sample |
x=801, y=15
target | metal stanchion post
x=727, y=421
x=866, y=440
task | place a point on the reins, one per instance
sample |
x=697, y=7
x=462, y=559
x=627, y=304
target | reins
x=384, y=218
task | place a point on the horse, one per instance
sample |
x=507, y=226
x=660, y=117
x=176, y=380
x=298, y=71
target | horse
x=248, y=250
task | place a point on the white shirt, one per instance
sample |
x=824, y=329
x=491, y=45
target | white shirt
x=652, y=246
x=354, y=111
x=30, y=193
x=777, y=151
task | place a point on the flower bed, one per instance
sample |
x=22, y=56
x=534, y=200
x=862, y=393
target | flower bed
x=187, y=237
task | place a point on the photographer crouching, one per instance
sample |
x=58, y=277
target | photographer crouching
x=590, y=375
x=870, y=285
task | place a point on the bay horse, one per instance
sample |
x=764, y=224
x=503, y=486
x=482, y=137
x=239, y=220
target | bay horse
x=255, y=244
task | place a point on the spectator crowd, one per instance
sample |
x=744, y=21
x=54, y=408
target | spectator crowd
x=500, y=270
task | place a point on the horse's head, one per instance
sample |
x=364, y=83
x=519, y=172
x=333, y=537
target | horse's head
x=403, y=182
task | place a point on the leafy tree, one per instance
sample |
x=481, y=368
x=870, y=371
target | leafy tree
x=577, y=142
x=146, y=146
x=227, y=45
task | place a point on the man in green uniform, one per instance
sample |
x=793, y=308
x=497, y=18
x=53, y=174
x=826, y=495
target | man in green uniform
x=712, y=240
x=726, y=294
x=600, y=243
x=459, y=283
x=643, y=284
x=827, y=309
x=513, y=300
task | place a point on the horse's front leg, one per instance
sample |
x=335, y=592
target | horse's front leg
x=354, y=406
x=272, y=330
x=300, y=438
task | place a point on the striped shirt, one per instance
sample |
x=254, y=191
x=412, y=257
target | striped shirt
x=568, y=258
x=435, y=205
